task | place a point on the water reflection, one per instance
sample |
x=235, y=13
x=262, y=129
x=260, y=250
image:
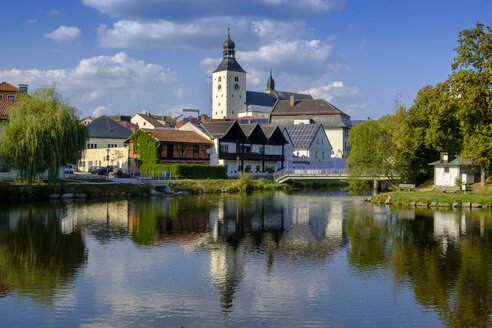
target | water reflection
x=38, y=258
x=444, y=256
x=304, y=245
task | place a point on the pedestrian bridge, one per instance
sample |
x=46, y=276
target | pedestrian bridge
x=310, y=174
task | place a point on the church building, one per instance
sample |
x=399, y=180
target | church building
x=231, y=100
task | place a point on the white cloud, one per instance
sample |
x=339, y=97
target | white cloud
x=31, y=21
x=295, y=63
x=101, y=110
x=191, y=9
x=64, y=33
x=203, y=33
x=120, y=80
x=346, y=98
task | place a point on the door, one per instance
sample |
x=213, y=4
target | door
x=170, y=150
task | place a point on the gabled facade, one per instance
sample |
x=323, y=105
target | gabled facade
x=177, y=147
x=148, y=121
x=105, y=146
x=309, y=147
x=246, y=147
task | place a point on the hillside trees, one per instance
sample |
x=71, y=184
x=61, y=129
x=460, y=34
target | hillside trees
x=42, y=134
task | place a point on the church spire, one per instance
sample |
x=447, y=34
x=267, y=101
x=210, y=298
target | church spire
x=229, y=46
x=270, y=82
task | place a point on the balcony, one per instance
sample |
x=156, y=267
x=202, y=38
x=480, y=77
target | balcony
x=251, y=157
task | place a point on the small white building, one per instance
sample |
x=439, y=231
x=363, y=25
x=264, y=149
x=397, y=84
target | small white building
x=451, y=167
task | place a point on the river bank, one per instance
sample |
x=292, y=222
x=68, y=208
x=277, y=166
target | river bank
x=434, y=198
x=103, y=188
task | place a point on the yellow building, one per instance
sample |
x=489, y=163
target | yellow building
x=105, y=146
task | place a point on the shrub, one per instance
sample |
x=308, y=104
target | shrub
x=185, y=171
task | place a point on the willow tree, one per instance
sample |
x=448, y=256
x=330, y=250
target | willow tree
x=42, y=134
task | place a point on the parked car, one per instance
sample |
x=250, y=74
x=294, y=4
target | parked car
x=93, y=168
x=103, y=170
x=69, y=169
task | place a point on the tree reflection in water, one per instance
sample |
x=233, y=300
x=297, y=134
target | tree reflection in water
x=445, y=257
x=36, y=258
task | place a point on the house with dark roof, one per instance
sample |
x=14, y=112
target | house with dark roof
x=449, y=168
x=245, y=147
x=106, y=145
x=308, y=147
x=307, y=111
x=148, y=121
x=177, y=147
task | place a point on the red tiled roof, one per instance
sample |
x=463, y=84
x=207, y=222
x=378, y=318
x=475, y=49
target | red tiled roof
x=5, y=108
x=5, y=86
x=129, y=125
x=178, y=136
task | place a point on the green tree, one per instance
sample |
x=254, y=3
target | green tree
x=42, y=134
x=471, y=85
x=428, y=127
x=374, y=152
x=146, y=147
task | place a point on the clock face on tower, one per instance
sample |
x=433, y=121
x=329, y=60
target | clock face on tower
x=219, y=87
x=236, y=86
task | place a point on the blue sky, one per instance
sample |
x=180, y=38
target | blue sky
x=125, y=56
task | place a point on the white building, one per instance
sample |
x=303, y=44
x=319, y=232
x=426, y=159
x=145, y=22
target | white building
x=449, y=168
x=148, y=121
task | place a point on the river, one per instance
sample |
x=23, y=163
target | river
x=318, y=259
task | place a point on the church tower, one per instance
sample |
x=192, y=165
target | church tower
x=228, y=85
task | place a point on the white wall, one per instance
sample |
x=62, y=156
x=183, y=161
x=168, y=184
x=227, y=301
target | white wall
x=228, y=101
x=442, y=178
x=141, y=122
x=337, y=140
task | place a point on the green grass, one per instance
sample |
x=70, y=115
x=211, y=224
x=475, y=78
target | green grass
x=40, y=190
x=429, y=196
x=225, y=185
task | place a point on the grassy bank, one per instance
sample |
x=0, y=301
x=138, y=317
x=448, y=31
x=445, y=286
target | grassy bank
x=225, y=185
x=427, y=196
x=41, y=191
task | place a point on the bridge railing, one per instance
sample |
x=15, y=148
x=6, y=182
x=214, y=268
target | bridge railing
x=310, y=172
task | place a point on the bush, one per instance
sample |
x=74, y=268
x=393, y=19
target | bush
x=185, y=171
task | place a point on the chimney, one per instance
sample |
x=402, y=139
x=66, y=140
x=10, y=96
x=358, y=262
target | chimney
x=23, y=87
x=292, y=100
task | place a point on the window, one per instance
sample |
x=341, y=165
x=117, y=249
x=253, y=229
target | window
x=145, y=123
x=236, y=79
x=316, y=154
x=257, y=168
x=11, y=97
x=446, y=170
x=224, y=148
x=323, y=155
x=195, y=149
x=220, y=79
x=1, y=96
x=109, y=145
